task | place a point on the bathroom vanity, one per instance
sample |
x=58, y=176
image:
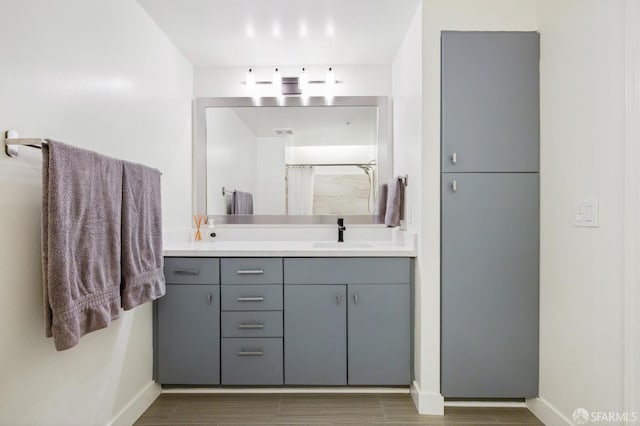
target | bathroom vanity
x=304, y=316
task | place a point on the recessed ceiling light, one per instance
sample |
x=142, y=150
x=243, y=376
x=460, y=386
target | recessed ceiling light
x=249, y=31
x=330, y=29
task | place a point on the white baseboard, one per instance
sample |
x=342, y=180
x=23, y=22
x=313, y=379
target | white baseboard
x=138, y=405
x=501, y=404
x=288, y=390
x=547, y=413
x=427, y=402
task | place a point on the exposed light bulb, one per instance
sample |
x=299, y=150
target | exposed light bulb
x=250, y=79
x=277, y=82
x=330, y=82
x=330, y=79
x=303, y=81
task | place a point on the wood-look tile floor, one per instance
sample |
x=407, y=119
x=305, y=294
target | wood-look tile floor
x=316, y=409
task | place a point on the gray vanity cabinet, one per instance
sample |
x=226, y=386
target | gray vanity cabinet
x=252, y=329
x=347, y=315
x=315, y=345
x=188, y=323
x=379, y=330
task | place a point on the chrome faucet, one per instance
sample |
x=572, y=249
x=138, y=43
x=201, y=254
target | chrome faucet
x=341, y=229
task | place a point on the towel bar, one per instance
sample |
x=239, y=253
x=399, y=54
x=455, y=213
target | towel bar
x=226, y=191
x=12, y=143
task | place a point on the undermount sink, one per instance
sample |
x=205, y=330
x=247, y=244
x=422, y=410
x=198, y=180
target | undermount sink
x=336, y=245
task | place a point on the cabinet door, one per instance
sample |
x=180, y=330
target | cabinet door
x=490, y=101
x=490, y=285
x=189, y=335
x=315, y=334
x=379, y=319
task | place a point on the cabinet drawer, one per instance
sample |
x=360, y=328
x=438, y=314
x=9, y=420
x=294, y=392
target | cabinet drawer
x=251, y=270
x=191, y=270
x=251, y=297
x=371, y=270
x=252, y=361
x=252, y=324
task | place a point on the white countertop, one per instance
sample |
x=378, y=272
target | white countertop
x=373, y=244
x=289, y=249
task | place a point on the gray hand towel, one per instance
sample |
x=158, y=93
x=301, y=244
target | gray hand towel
x=381, y=204
x=242, y=203
x=395, y=203
x=142, y=261
x=81, y=222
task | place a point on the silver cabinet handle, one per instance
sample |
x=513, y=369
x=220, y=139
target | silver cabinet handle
x=454, y=158
x=454, y=186
x=187, y=271
x=251, y=353
x=355, y=298
x=249, y=326
x=251, y=299
x=250, y=272
x=209, y=298
x=339, y=298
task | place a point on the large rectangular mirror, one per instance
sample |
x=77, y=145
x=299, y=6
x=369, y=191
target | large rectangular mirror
x=290, y=160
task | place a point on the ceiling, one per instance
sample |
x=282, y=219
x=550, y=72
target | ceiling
x=284, y=32
x=315, y=125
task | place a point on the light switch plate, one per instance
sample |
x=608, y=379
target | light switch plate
x=586, y=213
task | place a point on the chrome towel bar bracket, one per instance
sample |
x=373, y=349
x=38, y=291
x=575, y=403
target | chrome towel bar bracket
x=12, y=143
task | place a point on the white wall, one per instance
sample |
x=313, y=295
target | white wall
x=270, y=196
x=358, y=80
x=231, y=157
x=437, y=16
x=407, y=149
x=100, y=75
x=582, y=156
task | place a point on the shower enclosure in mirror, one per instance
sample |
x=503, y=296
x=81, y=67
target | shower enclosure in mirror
x=282, y=161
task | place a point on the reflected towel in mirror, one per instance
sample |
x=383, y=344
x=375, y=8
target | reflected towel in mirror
x=242, y=203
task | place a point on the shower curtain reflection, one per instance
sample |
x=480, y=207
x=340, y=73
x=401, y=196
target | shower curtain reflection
x=300, y=186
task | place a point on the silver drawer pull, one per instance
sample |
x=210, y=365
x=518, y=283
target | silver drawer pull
x=187, y=271
x=250, y=272
x=454, y=158
x=251, y=299
x=251, y=353
x=249, y=326
x=454, y=186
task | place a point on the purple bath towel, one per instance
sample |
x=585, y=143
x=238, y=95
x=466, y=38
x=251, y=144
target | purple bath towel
x=142, y=261
x=81, y=224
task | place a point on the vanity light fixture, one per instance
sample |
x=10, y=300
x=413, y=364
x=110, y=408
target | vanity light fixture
x=298, y=85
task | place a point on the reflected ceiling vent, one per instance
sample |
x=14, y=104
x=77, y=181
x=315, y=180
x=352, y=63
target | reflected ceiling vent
x=283, y=132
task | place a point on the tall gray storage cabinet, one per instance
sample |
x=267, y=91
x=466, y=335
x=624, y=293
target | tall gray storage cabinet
x=490, y=214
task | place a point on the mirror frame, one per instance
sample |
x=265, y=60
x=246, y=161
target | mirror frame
x=199, y=151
